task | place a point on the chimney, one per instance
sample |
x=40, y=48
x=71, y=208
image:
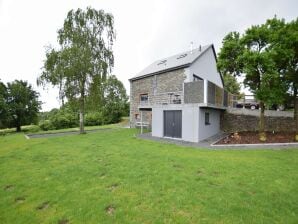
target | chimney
x=200, y=47
x=191, y=47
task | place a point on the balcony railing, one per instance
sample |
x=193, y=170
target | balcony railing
x=197, y=92
x=163, y=99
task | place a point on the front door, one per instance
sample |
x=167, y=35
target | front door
x=173, y=123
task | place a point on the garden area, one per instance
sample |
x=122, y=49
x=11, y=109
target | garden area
x=114, y=177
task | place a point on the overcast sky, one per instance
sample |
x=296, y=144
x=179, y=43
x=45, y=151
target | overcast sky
x=146, y=31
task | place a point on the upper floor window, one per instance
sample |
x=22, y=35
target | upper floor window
x=196, y=78
x=144, y=98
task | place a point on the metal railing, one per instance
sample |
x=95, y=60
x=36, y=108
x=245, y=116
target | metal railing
x=163, y=99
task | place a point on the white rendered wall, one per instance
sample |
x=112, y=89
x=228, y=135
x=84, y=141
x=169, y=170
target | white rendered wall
x=205, y=67
x=190, y=121
x=190, y=124
x=206, y=131
x=157, y=122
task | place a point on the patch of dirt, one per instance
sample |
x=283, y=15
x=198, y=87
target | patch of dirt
x=113, y=187
x=102, y=175
x=110, y=209
x=20, y=199
x=177, y=166
x=215, y=173
x=43, y=206
x=63, y=221
x=200, y=172
x=250, y=137
x=8, y=188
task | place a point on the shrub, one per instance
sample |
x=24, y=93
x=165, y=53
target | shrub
x=30, y=128
x=64, y=120
x=93, y=118
x=46, y=125
x=7, y=131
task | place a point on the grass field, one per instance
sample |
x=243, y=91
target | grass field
x=113, y=177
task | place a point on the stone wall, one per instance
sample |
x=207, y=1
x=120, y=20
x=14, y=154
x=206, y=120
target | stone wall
x=158, y=88
x=194, y=92
x=239, y=122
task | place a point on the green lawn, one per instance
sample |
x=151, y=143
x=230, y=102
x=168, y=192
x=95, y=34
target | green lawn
x=36, y=130
x=112, y=177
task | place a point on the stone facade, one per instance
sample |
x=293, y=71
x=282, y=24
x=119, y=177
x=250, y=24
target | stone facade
x=194, y=92
x=239, y=122
x=161, y=89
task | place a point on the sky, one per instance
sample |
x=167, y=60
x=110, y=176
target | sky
x=146, y=31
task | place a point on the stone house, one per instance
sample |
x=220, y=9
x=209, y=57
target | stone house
x=180, y=96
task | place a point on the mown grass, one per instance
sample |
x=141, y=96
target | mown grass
x=113, y=177
x=36, y=130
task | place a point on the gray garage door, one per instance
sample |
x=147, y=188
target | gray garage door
x=173, y=123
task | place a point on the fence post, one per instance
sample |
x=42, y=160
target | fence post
x=141, y=122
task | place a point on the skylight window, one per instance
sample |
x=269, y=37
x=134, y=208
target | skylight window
x=182, y=56
x=162, y=62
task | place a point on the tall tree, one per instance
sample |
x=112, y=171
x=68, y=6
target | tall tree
x=256, y=54
x=261, y=77
x=86, y=41
x=22, y=103
x=285, y=47
x=3, y=105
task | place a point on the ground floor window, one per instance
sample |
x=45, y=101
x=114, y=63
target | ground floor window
x=207, y=117
x=137, y=116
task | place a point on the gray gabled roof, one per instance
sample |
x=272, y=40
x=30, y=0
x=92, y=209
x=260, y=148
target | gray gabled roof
x=177, y=61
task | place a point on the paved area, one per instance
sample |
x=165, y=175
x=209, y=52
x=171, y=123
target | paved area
x=207, y=144
x=49, y=135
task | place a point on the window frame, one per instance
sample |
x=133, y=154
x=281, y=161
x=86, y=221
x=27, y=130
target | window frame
x=207, y=118
x=144, y=101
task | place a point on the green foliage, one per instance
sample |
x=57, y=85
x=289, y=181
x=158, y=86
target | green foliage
x=30, y=128
x=267, y=55
x=6, y=131
x=19, y=104
x=64, y=118
x=229, y=61
x=46, y=125
x=231, y=84
x=93, y=118
x=3, y=105
x=115, y=101
x=85, y=55
x=262, y=76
